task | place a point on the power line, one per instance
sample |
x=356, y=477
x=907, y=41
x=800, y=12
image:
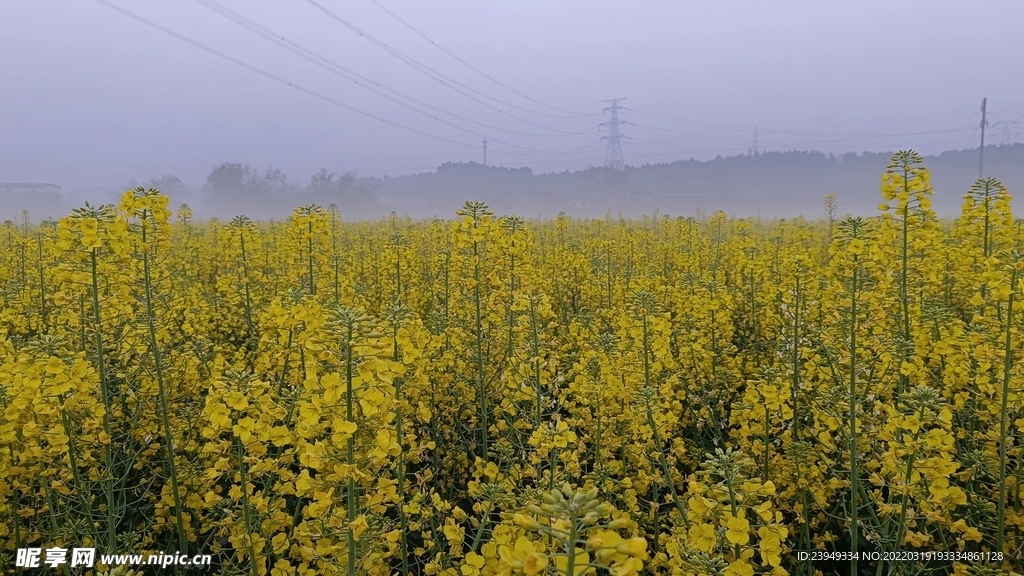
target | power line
x=809, y=142
x=655, y=129
x=665, y=130
x=350, y=108
x=675, y=120
x=270, y=76
x=871, y=123
x=354, y=77
x=433, y=74
x=1009, y=130
x=477, y=70
x=593, y=145
x=307, y=91
x=870, y=137
x=662, y=132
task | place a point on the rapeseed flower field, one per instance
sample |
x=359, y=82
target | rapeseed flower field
x=494, y=396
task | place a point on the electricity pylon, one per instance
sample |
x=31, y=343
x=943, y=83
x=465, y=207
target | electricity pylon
x=613, y=156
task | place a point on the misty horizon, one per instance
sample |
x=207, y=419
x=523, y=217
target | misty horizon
x=302, y=180
x=771, y=184
x=102, y=93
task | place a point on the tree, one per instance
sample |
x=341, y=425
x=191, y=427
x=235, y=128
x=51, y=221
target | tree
x=353, y=197
x=172, y=186
x=275, y=183
x=331, y=185
x=234, y=181
x=229, y=180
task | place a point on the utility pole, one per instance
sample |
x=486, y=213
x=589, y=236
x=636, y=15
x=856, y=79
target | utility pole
x=613, y=156
x=981, y=152
x=753, y=149
x=485, y=151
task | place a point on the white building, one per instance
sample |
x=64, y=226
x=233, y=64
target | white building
x=41, y=199
x=30, y=189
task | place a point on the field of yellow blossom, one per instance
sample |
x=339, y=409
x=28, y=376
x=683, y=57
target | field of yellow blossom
x=495, y=396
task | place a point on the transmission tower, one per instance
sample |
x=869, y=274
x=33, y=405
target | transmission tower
x=981, y=151
x=1009, y=130
x=613, y=156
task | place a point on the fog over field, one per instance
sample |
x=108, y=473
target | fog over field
x=385, y=105
x=512, y=287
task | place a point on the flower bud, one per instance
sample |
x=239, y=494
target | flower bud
x=525, y=522
x=618, y=524
x=633, y=547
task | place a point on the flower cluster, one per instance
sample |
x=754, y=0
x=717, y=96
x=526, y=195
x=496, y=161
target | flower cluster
x=497, y=396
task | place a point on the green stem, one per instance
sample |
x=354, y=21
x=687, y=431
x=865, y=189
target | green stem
x=162, y=393
x=796, y=363
x=484, y=521
x=901, y=526
x=767, y=434
x=608, y=261
x=1003, y=437
x=245, y=282
x=904, y=291
x=807, y=521
x=658, y=446
x=481, y=384
x=309, y=242
x=16, y=508
x=245, y=506
x=401, y=457
x=287, y=357
x=105, y=393
x=511, y=303
x=753, y=319
x=854, y=520
x=73, y=458
x=350, y=452
x=42, y=280
x=398, y=274
x=732, y=504
x=571, y=563
x=536, y=362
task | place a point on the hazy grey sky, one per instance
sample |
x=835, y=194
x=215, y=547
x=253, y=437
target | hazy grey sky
x=92, y=97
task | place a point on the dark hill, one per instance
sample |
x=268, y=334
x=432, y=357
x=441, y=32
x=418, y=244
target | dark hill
x=772, y=183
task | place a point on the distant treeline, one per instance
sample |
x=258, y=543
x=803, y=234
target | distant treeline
x=234, y=187
x=770, y=184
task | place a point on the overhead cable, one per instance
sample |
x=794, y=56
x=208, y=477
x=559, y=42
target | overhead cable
x=477, y=70
x=270, y=76
x=444, y=80
x=356, y=78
